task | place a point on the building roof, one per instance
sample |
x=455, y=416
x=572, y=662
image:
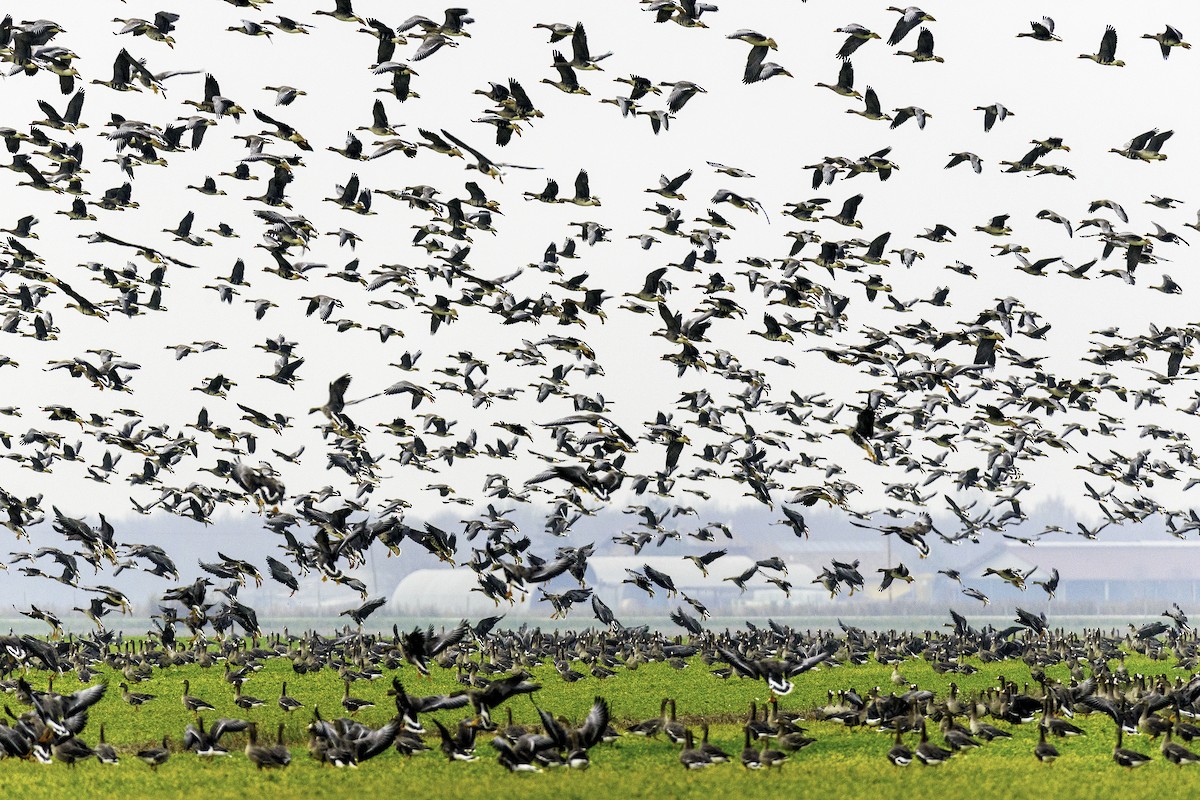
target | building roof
x=426, y=590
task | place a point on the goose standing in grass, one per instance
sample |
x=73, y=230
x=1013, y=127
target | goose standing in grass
x=929, y=753
x=193, y=704
x=674, y=729
x=1044, y=751
x=770, y=757
x=287, y=703
x=1125, y=757
x=244, y=700
x=1176, y=753
x=156, y=756
x=266, y=756
x=715, y=754
x=105, y=752
x=750, y=754
x=136, y=699
x=900, y=754
x=651, y=727
x=354, y=704
x=691, y=756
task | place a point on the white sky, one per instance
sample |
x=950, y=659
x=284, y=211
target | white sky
x=770, y=129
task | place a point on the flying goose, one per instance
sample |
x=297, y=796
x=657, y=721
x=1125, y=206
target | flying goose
x=1169, y=38
x=1041, y=31
x=1107, y=55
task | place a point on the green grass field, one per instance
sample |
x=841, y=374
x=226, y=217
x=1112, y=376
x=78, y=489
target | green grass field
x=844, y=763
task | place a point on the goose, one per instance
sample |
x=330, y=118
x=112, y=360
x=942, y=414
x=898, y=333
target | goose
x=1125, y=757
x=1176, y=753
x=354, y=704
x=410, y=707
x=193, y=704
x=845, y=81
x=136, y=699
x=208, y=743
x=910, y=18
x=871, y=109
x=583, y=195
x=848, y=213
x=156, y=756
x=1145, y=146
x=105, y=752
x=419, y=647
x=1053, y=216
x=714, y=753
x=681, y=92
x=759, y=729
x=691, y=757
x=924, y=51
x=856, y=36
x=928, y=753
x=639, y=87
x=286, y=95
x=769, y=757
x=758, y=70
x=674, y=729
x=994, y=113
x=982, y=729
x=461, y=746
x=517, y=759
x=1122, y=215
x=1107, y=55
x=651, y=727
x=343, y=11
x=288, y=703
x=1044, y=751
x=966, y=157
x=1169, y=38
x=266, y=756
x=581, y=54
x=558, y=30
x=900, y=754
x=957, y=738
x=750, y=755
x=996, y=227
x=1042, y=31
x=70, y=749
x=244, y=700
x=910, y=112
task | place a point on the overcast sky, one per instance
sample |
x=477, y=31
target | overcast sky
x=771, y=129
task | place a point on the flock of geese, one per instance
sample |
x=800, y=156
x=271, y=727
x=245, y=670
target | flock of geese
x=493, y=666
x=932, y=416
